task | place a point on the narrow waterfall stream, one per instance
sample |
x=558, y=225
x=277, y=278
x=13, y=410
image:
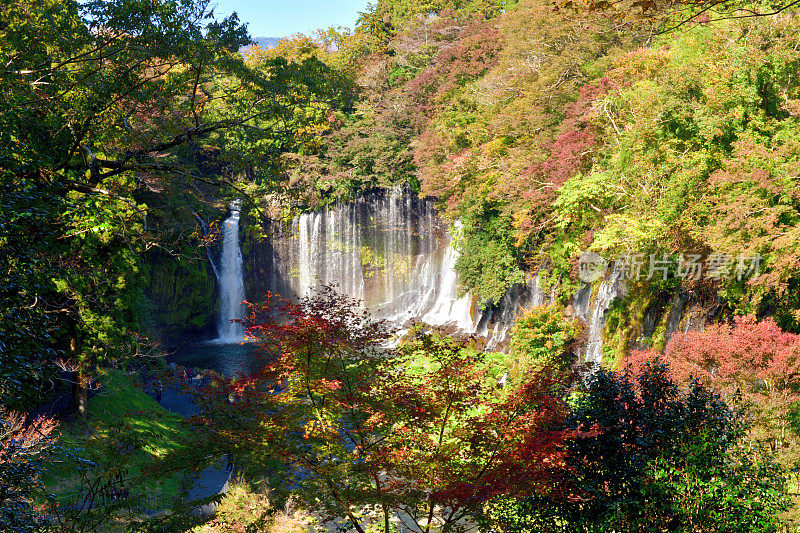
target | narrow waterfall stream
x=231, y=282
x=592, y=311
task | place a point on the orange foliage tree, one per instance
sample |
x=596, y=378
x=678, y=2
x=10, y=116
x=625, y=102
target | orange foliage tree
x=365, y=435
x=22, y=445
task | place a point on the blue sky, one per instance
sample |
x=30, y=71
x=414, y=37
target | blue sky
x=280, y=18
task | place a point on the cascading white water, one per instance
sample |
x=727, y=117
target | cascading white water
x=389, y=251
x=231, y=282
x=592, y=312
x=392, y=252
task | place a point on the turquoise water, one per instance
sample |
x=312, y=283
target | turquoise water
x=227, y=359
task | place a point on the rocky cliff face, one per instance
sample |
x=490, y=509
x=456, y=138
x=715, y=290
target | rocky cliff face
x=391, y=250
x=182, y=298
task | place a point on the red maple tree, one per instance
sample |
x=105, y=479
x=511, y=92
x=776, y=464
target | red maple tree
x=748, y=360
x=366, y=434
x=23, y=445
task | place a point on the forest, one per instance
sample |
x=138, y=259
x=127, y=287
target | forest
x=467, y=266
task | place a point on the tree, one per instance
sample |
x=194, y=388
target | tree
x=459, y=440
x=750, y=362
x=662, y=459
x=543, y=339
x=670, y=15
x=510, y=119
x=422, y=435
x=376, y=23
x=404, y=12
x=488, y=263
x=101, y=104
x=23, y=449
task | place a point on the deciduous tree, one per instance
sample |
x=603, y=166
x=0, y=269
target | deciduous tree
x=422, y=435
x=750, y=362
x=23, y=448
x=102, y=103
x=662, y=459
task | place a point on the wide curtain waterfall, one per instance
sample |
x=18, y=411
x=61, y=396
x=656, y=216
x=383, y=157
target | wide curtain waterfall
x=389, y=250
x=231, y=283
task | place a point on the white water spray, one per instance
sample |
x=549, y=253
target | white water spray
x=392, y=252
x=389, y=251
x=231, y=282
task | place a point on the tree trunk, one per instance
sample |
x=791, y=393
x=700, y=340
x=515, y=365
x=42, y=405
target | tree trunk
x=80, y=392
x=387, y=525
x=80, y=382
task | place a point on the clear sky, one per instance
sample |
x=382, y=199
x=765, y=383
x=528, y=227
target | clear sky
x=281, y=18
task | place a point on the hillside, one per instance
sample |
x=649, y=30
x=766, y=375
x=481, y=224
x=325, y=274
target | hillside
x=547, y=135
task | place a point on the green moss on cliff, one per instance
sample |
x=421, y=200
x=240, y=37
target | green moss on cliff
x=624, y=321
x=181, y=295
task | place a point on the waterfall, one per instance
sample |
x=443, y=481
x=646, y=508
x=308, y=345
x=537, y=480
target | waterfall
x=392, y=252
x=231, y=283
x=388, y=250
x=593, y=313
x=446, y=306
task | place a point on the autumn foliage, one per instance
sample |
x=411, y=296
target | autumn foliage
x=23, y=444
x=748, y=360
x=422, y=431
x=667, y=458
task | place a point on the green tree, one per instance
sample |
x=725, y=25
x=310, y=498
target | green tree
x=544, y=340
x=488, y=263
x=102, y=103
x=660, y=459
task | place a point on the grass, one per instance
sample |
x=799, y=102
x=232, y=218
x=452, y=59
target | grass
x=124, y=433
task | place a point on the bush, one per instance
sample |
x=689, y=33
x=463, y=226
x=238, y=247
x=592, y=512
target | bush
x=656, y=458
x=543, y=338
